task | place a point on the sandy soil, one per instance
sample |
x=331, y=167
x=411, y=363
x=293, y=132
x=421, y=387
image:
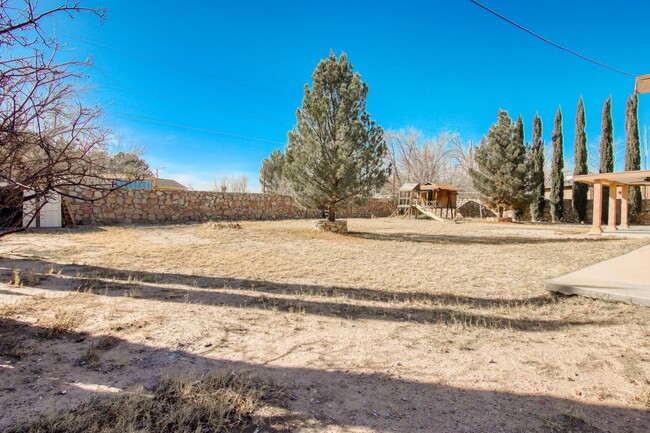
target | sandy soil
x=398, y=326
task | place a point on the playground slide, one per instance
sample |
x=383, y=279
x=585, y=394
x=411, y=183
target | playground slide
x=430, y=214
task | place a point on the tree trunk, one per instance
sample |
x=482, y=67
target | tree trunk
x=331, y=214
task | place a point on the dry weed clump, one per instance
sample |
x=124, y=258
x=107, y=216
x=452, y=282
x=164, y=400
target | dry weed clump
x=13, y=347
x=92, y=356
x=222, y=402
x=62, y=322
x=220, y=226
x=31, y=279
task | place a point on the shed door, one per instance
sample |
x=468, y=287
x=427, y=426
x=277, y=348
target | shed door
x=49, y=216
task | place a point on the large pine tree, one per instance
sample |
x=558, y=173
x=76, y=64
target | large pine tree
x=557, y=176
x=633, y=151
x=536, y=162
x=606, y=150
x=272, y=177
x=580, y=190
x=501, y=167
x=335, y=153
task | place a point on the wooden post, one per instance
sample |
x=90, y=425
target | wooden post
x=611, y=217
x=597, y=217
x=624, y=207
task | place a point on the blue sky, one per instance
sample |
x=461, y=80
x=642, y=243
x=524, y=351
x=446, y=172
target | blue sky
x=239, y=68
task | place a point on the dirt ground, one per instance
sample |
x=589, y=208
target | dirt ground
x=399, y=326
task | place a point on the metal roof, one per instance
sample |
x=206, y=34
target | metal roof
x=167, y=184
x=410, y=187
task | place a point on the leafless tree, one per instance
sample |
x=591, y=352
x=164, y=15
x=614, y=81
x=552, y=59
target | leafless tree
x=593, y=161
x=239, y=184
x=416, y=158
x=231, y=184
x=49, y=141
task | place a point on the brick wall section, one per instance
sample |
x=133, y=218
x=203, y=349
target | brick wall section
x=137, y=206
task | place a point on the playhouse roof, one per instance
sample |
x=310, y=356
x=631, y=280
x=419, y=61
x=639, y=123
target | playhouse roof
x=410, y=187
x=433, y=186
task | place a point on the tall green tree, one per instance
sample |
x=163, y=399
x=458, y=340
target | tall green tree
x=335, y=154
x=272, y=176
x=580, y=190
x=606, y=150
x=536, y=162
x=518, y=211
x=557, y=175
x=129, y=163
x=500, y=175
x=633, y=151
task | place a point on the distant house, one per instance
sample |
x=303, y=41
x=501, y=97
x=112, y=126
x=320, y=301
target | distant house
x=150, y=183
x=568, y=191
x=167, y=184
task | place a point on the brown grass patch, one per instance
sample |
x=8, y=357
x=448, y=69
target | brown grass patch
x=223, y=402
x=390, y=319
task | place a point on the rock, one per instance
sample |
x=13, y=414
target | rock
x=339, y=226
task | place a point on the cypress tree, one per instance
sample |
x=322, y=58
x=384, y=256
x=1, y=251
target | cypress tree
x=633, y=151
x=501, y=167
x=580, y=190
x=536, y=158
x=606, y=150
x=520, y=148
x=335, y=153
x=557, y=176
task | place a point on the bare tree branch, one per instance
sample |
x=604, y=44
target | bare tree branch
x=50, y=142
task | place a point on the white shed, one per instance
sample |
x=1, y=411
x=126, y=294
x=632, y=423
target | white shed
x=49, y=215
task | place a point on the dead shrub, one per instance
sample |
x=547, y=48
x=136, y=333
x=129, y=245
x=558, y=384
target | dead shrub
x=30, y=279
x=92, y=356
x=107, y=343
x=62, y=322
x=15, y=278
x=13, y=347
x=217, y=403
x=220, y=226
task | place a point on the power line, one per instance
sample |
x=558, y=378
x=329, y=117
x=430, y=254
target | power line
x=208, y=75
x=542, y=38
x=194, y=128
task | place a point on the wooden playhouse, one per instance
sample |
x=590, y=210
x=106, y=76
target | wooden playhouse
x=435, y=200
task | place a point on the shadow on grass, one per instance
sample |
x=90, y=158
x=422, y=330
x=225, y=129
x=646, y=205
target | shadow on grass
x=346, y=303
x=318, y=398
x=12, y=293
x=464, y=239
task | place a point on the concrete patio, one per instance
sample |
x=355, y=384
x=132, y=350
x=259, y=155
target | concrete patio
x=624, y=279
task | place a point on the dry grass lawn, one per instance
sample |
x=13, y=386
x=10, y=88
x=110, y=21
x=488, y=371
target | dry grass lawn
x=398, y=326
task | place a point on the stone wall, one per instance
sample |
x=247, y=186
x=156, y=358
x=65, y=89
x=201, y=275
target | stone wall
x=569, y=217
x=567, y=211
x=129, y=206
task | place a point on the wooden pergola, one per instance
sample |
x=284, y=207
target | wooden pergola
x=613, y=181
